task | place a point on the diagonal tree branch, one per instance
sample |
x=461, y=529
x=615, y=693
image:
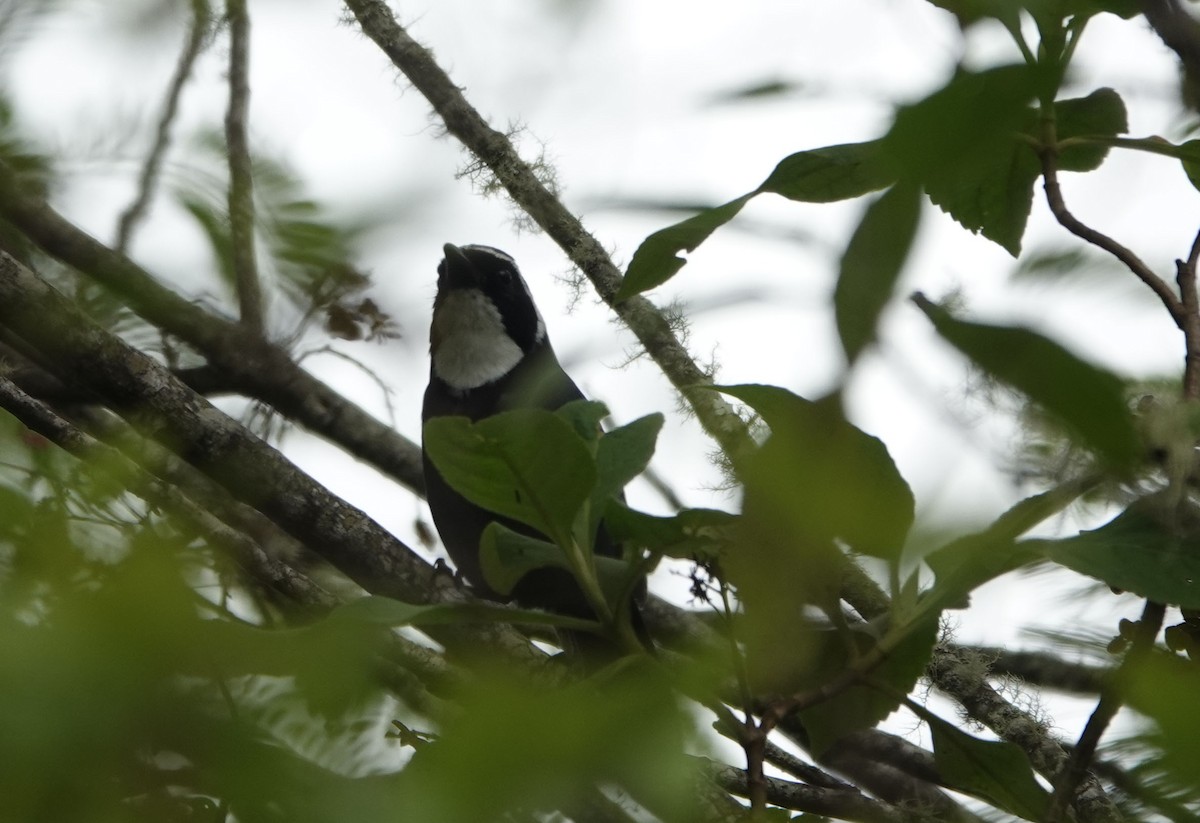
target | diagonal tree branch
x=253, y=366
x=146, y=394
x=496, y=152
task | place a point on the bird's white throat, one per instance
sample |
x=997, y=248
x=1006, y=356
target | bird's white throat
x=469, y=343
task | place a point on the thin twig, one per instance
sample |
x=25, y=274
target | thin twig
x=1076, y=767
x=1185, y=276
x=1071, y=223
x=193, y=46
x=241, y=185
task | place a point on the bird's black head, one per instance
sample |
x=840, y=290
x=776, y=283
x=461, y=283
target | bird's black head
x=484, y=318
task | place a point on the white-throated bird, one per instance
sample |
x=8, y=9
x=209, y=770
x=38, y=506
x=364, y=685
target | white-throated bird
x=490, y=354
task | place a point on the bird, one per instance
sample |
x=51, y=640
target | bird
x=489, y=353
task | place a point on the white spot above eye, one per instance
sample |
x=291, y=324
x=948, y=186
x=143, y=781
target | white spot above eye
x=471, y=347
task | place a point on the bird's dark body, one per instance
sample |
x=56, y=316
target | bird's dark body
x=537, y=380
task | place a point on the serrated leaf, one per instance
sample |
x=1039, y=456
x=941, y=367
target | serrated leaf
x=827, y=478
x=829, y=174
x=656, y=261
x=872, y=263
x=528, y=464
x=1100, y=114
x=863, y=706
x=1135, y=551
x=687, y=535
x=1087, y=399
x=992, y=770
x=960, y=144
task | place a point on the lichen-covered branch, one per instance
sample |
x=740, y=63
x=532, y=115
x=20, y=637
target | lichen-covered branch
x=252, y=365
x=497, y=153
x=161, y=407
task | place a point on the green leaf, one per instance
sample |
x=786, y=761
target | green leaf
x=969, y=12
x=584, y=417
x=1136, y=551
x=1087, y=399
x=1164, y=688
x=1191, y=165
x=507, y=556
x=621, y=455
x=1100, y=114
x=519, y=743
x=688, y=535
x=992, y=770
x=655, y=261
x=815, y=176
x=968, y=562
x=960, y=144
x=823, y=476
x=872, y=263
x=528, y=464
x=863, y=706
x=829, y=174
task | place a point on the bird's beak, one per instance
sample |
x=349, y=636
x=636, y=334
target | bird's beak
x=460, y=272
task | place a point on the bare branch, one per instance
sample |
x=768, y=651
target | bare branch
x=241, y=179
x=1131, y=261
x=133, y=214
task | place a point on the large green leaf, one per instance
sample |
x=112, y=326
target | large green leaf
x=1164, y=688
x=528, y=464
x=872, y=263
x=1087, y=399
x=864, y=705
x=993, y=770
x=1138, y=551
x=959, y=143
x=823, y=476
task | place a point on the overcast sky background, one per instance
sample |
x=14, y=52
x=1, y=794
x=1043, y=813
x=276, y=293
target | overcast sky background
x=625, y=98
